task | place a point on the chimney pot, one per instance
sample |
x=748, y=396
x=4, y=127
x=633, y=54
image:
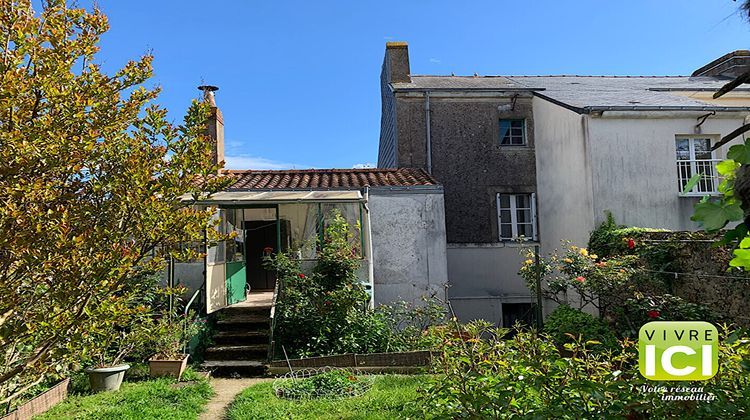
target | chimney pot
x=208, y=93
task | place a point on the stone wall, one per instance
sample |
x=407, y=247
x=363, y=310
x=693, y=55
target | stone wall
x=695, y=269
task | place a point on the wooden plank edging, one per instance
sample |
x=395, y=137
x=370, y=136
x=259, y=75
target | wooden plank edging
x=40, y=403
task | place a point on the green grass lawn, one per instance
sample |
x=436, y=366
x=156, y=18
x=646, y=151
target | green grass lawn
x=389, y=398
x=153, y=399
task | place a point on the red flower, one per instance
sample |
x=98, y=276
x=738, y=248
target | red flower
x=328, y=302
x=653, y=314
x=300, y=275
x=631, y=243
x=580, y=279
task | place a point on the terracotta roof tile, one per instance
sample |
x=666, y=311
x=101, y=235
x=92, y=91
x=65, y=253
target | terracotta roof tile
x=316, y=179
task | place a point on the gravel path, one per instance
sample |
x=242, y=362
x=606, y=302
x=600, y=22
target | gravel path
x=226, y=389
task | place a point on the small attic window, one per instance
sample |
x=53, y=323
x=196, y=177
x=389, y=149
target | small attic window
x=512, y=132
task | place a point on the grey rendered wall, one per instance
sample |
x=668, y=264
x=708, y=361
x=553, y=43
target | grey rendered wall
x=634, y=168
x=482, y=277
x=564, y=191
x=409, y=251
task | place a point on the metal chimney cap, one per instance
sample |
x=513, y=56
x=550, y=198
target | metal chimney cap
x=208, y=88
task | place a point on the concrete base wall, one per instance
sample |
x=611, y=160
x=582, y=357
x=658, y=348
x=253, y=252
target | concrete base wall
x=409, y=249
x=483, y=277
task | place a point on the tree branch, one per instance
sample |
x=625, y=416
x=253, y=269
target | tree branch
x=731, y=136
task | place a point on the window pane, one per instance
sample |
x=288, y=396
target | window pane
x=504, y=132
x=517, y=124
x=683, y=149
x=522, y=201
x=505, y=216
x=523, y=216
x=525, y=230
x=702, y=148
x=505, y=231
x=504, y=201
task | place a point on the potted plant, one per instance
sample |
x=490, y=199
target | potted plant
x=108, y=370
x=171, y=336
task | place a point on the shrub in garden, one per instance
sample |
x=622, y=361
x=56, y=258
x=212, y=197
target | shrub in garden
x=318, y=314
x=568, y=325
x=483, y=375
x=593, y=281
x=637, y=311
x=334, y=383
x=327, y=311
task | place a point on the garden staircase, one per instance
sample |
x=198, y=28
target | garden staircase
x=240, y=342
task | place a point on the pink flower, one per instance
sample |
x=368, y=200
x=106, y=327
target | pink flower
x=653, y=314
x=580, y=279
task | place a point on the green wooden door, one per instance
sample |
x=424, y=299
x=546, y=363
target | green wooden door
x=236, y=279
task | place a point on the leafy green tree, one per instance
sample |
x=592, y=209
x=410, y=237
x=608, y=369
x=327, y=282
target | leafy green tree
x=91, y=180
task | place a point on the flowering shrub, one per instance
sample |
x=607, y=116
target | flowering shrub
x=326, y=312
x=482, y=375
x=592, y=279
x=319, y=313
x=637, y=311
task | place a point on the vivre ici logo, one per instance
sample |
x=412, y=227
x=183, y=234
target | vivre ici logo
x=678, y=350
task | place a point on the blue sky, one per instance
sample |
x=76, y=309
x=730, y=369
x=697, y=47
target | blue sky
x=299, y=80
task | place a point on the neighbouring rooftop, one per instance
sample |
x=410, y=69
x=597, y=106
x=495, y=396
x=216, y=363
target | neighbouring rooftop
x=326, y=179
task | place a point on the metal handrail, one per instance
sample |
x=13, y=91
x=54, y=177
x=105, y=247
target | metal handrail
x=187, y=309
x=277, y=290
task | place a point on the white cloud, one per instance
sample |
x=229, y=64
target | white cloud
x=364, y=165
x=434, y=60
x=255, y=162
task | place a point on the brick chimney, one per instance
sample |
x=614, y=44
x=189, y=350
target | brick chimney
x=215, y=126
x=396, y=62
x=728, y=65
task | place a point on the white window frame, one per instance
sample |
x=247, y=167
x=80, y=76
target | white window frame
x=705, y=166
x=514, y=217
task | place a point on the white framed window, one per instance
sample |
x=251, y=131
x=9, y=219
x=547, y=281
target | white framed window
x=694, y=156
x=516, y=216
x=512, y=133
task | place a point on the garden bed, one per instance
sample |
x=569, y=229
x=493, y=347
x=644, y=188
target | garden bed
x=391, y=397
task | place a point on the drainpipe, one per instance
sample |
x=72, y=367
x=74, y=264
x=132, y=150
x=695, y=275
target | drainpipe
x=427, y=129
x=368, y=243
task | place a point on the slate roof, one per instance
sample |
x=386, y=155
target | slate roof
x=589, y=93
x=328, y=179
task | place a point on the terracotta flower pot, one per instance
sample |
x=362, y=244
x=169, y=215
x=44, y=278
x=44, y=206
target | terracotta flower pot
x=174, y=368
x=107, y=378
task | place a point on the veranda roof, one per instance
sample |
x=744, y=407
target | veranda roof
x=279, y=197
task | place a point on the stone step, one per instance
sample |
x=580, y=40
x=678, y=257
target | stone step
x=235, y=368
x=246, y=310
x=244, y=323
x=237, y=353
x=238, y=338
